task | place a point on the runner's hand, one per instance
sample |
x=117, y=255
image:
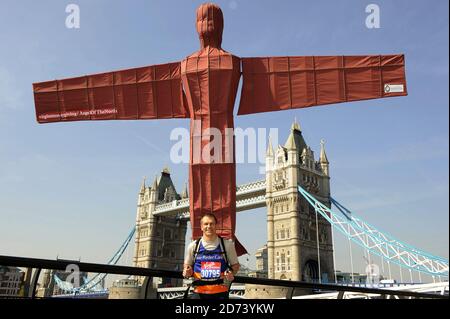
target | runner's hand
x=229, y=275
x=187, y=272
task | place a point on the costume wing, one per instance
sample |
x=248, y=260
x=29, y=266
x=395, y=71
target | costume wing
x=152, y=92
x=282, y=83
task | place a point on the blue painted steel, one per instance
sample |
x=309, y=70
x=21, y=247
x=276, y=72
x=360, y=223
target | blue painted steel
x=97, y=279
x=390, y=237
x=394, y=249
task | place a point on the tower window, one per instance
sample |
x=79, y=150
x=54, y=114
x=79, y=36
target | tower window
x=279, y=176
x=167, y=234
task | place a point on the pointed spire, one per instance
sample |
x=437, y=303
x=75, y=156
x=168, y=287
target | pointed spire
x=269, y=148
x=155, y=183
x=143, y=186
x=323, y=156
x=296, y=126
x=166, y=170
x=290, y=143
x=185, y=193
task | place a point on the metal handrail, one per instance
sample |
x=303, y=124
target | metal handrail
x=147, y=272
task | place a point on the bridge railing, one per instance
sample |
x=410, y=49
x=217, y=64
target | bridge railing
x=39, y=264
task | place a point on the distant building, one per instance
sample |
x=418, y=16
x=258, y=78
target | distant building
x=347, y=277
x=261, y=263
x=125, y=289
x=11, y=279
x=245, y=271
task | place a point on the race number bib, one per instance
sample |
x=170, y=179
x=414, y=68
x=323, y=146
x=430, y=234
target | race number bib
x=210, y=270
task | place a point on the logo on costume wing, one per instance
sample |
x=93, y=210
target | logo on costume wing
x=394, y=88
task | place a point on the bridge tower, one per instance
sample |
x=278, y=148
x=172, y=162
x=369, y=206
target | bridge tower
x=159, y=240
x=291, y=222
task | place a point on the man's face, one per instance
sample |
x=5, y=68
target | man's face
x=208, y=226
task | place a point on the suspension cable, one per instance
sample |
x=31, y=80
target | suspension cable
x=334, y=255
x=401, y=273
x=389, y=266
x=410, y=272
x=318, y=245
x=351, y=255
x=377, y=242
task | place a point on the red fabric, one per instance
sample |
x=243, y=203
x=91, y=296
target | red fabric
x=210, y=78
x=282, y=83
x=152, y=92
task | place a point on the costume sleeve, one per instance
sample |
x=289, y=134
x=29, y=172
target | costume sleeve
x=231, y=252
x=152, y=92
x=283, y=83
x=189, y=257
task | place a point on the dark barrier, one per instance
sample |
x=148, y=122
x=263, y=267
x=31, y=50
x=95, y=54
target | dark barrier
x=40, y=264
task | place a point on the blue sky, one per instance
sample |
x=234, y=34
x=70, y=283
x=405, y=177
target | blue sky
x=71, y=188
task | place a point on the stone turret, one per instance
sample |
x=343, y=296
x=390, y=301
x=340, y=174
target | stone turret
x=323, y=160
x=291, y=245
x=159, y=240
x=185, y=193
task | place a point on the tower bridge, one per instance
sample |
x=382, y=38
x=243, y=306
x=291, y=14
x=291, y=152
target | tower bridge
x=162, y=214
x=296, y=192
x=300, y=223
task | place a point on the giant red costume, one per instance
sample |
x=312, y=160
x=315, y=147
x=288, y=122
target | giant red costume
x=203, y=88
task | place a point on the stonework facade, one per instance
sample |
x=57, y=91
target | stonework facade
x=292, y=233
x=261, y=262
x=160, y=241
